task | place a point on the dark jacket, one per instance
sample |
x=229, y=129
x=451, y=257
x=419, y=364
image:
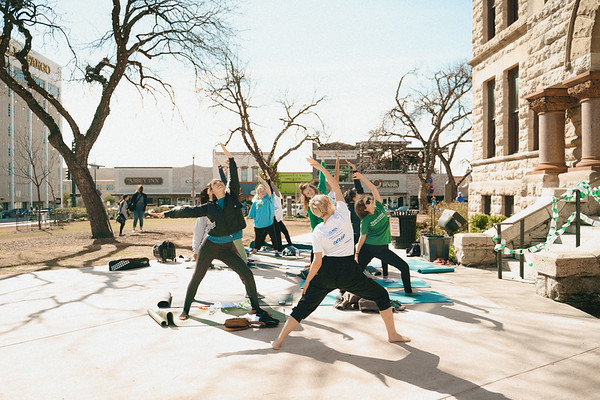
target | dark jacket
x=134, y=198
x=353, y=217
x=228, y=220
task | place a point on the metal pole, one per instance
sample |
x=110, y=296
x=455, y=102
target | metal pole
x=193, y=183
x=499, y=253
x=577, y=219
x=522, y=244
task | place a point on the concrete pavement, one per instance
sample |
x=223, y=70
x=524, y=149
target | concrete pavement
x=85, y=334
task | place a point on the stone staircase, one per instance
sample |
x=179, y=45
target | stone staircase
x=562, y=271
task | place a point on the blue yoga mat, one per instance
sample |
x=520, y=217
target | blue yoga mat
x=418, y=265
x=397, y=284
x=425, y=297
x=425, y=267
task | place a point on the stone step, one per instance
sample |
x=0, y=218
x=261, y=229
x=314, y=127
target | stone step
x=511, y=270
x=589, y=236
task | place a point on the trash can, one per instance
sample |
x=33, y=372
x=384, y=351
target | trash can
x=435, y=246
x=403, y=227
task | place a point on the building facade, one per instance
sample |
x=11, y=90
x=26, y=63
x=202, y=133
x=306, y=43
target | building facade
x=536, y=100
x=25, y=154
x=384, y=164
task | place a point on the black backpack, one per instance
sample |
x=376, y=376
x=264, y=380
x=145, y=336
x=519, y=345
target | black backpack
x=130, y=204
x=164, y=250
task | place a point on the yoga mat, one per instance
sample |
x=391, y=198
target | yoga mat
x=425, y=297
x=197, y=317
x=425, y=267
x=397, y=284
x=164, y=300
x=278, y=262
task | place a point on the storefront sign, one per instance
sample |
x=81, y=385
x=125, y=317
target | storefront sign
x=32, y=61
x=144, y=181
x=389, y=184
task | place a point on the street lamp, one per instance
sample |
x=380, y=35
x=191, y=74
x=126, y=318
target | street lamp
x=95, y=166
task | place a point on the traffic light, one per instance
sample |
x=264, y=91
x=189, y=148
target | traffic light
x=68, y=175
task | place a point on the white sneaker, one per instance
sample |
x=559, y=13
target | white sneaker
x=133, y=231
x=141, y=230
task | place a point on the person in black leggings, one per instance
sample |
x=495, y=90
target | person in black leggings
x=350, y=196
x=334, y=265
x=375, y=234
x=225, y=210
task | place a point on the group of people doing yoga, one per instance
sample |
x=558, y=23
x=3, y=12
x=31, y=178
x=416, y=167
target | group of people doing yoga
x=348, y=232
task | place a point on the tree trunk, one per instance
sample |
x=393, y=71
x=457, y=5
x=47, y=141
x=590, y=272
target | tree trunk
x=39, y=212
x=93, y=203
x=423, y=203
x=451, y=181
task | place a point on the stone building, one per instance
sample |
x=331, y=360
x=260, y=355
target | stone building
x=536, y=106
x=536, y=133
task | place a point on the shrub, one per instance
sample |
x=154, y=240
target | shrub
x=483, y=222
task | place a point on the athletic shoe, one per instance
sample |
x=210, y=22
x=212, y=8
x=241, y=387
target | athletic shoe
x=264, y=317
x=277, y=254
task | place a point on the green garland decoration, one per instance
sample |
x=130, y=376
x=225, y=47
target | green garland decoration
x=584, y=190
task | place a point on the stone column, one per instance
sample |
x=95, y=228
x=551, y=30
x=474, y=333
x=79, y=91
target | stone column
x=588, y=93
x=551, y=105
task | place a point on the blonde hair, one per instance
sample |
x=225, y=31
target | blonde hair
x=319, y=205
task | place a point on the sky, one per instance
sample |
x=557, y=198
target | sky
x=352, y=52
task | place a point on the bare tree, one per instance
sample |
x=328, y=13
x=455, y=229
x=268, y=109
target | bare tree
x=232, y=92
x=34, y=165
x=142, y=31
x=436, y=117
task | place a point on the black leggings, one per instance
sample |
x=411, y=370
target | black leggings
x=260, y=234
x=339, y=273
x=225, y=252
x=279, y=229
x=382, y=252
x=384, y=265
x=122, y=226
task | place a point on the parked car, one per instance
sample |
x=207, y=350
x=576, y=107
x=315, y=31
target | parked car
x=15, y=213
x=297, y=209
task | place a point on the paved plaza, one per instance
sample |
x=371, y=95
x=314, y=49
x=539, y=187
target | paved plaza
x=86, y=334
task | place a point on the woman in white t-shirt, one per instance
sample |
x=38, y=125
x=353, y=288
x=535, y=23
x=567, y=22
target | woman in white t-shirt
x=334, y=267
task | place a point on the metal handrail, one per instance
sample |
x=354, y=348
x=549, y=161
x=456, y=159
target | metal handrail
x=522, y=236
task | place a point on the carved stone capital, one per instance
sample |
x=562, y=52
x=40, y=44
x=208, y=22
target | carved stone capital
x=544, y=104
x=586, y=90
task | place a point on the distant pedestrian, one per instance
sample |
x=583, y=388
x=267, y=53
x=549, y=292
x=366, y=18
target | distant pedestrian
x=122, y=213
x=139, y=201
x=460, y=197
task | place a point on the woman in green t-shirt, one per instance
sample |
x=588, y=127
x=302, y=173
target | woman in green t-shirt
x=375, y=234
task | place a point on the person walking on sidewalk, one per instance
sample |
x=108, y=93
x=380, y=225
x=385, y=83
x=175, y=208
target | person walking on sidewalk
x=122, y=213
x=138, y=202
x=334, y=266
x=375, y=235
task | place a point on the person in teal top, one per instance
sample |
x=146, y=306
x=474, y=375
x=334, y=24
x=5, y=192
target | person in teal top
x=263, y=212
x=375, y=234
